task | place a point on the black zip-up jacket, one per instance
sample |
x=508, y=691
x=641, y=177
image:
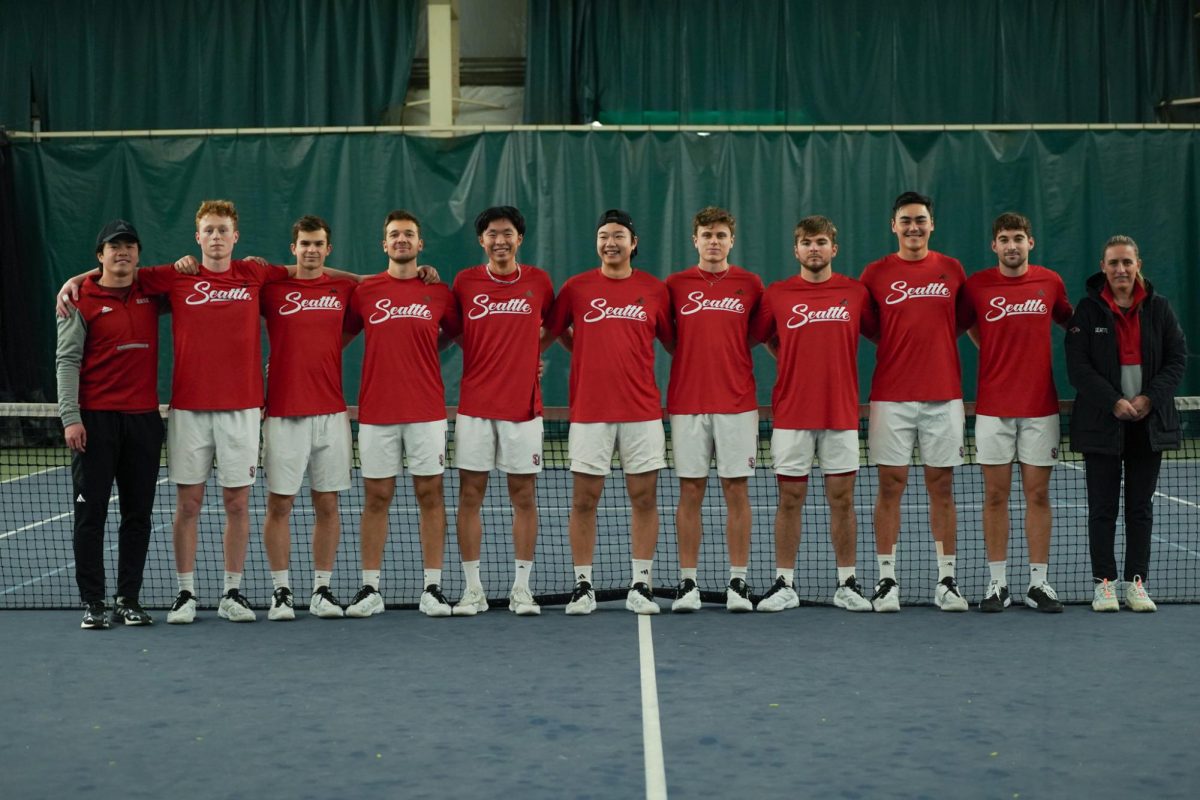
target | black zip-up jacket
x=1094, y=368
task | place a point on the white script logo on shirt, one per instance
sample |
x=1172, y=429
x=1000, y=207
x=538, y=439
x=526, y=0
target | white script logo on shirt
x=804, y=316
x=295, y=302
x=387, y=311
x=204, y=293
x=1002, y=308
x=484, y=306
x=697, y=302
x=901, y=292
x=602, y=312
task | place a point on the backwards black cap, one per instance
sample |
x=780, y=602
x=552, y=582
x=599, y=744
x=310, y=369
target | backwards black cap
x=117, y=229
x=620, y=218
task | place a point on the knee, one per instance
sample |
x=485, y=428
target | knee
x=237, y=503
x=995, y=499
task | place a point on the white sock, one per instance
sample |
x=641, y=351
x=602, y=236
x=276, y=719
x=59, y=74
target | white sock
x=687, y=572
x=371, y=578
x=321, y=578
x=845, y=574
x=641, y=571
x=187, y=581
x=738, y=572
x=1037, y=574
x=999, y=570
x=521, y=571
x=279, y=579
x=433, y=576
x=233, y=580
x=583, y=573
x=945, y=567
x=887, y=565
x=787, y=574
x=471, y=573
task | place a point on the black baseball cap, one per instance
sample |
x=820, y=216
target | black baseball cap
x=117, y=229
x=621, y=218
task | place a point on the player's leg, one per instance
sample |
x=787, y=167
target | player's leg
x=522, y=493
x=327, y=532
x=591, y=448
x=190, y=449
x=940, y=433
x=1035, y=483
x=692, y=447
x=287, y=447
x=891, y=435
x=996, y=450
x=793, y=489
x=92, y=473
x=380, y=452
x=643, y=449
x=1102, y=473
x=472, y=488
x=137, y=481
x=237, y=436
x=736, y=440
x=277, y=540
x=425, y=448
x=843, y=535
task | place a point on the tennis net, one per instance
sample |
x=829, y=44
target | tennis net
x=37, y=565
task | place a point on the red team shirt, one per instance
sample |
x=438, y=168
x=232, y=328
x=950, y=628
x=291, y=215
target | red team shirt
x=612, y=359
x=501, y=328
x=305, y=319
x=402, y=371
x=218, y=347
x=1015, y=317
x=711, y=371
x=917, y=359
x=818, y=325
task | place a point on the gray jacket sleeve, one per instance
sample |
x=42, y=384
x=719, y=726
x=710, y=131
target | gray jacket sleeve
x=72, y=333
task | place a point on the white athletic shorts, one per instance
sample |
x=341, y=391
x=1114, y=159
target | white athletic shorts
x=194, y=438
x=793, y=451
x=320, y=443
x=481, y=445
x=641, y=445
x=1030, y=440
x=383, y=449
x=936, y=427
x=733, y=438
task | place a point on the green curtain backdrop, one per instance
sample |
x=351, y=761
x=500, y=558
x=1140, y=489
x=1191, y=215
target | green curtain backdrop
x=842, y=62
x=172, y=64
x=1078, y=187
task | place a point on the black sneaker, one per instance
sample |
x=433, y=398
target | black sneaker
x=131, y=612
x=324, y=605
x=1044, y=599
x=778, y=598
x=583, y=599
x=737, y=596
x=687, y=597
x=95, y=617
x=886, y=598
x=282, y=607
x=947, y=597
x=997, y=598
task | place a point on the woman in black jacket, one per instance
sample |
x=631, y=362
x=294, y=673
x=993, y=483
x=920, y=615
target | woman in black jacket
x=1125, y=357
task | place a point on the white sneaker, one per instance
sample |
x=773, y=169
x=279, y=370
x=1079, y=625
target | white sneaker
x=946, y=596
x=687, y=597
x=583, y=600
x=640, y=600
x=1105, y=597
x=850, y=597
x=737, y=596
x=366, y=603
x=473, y=602
x=521, y=603
x=1136, y=598
x=324, y=605
x=778, y=598
x=235, y=607
x=183, y=610
x=886, y=599
x=434, y=603
x=281, y=605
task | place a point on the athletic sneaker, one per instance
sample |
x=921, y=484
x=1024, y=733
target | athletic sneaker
x=434, y=603
x=687, y=597
x=235, y=607
x=95, y=617
x=366, y=603
x=1136, y=598
x=849, y=596
x=583, y=599
x=737, y=596
x=1043, y=598
x=640, y=600
x=1105, y=597
x=183, y=610
x=946, y=596
x=324, y=605
x=996, y=598
x=886, y=599
x=521, y=602
x=131, y=612
x=779, y=597
x=473, y=602
x=282, y=607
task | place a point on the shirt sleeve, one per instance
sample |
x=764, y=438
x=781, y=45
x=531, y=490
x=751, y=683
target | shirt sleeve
x=966, y=308
x=156, y=280
x=1062, y=310
x=664, y=323
x=762, y=324
x=560, y=317
x=868, y=322
x=547, y=298
x=353, y=322
x=72, y=333
x=451, y=321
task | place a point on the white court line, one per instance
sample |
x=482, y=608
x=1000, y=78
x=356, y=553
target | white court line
x=57, y=517
x=656, y=775
x=63, y=568
x=31, y=474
